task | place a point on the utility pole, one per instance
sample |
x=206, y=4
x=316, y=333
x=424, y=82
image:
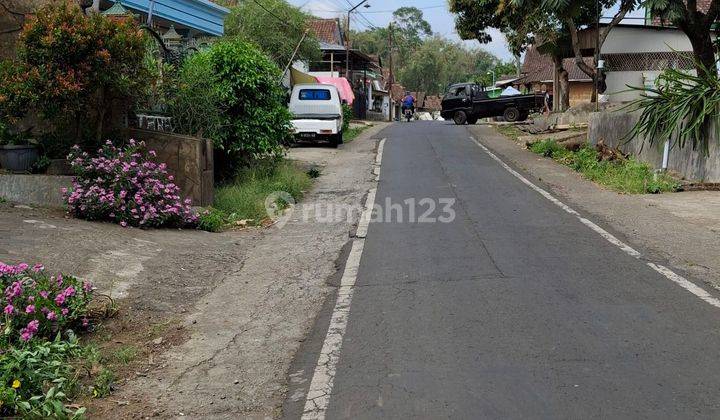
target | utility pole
x=347, y=40
x=392, y=78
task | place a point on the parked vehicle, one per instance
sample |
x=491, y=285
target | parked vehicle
x=317, y=113
x=467, y=102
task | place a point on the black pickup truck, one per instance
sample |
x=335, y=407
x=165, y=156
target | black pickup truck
x=468, y=102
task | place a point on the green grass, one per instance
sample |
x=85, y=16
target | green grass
x=626, y=176
x=351, y=133
x=125, y=354
x=244, y=198
x=510, y=131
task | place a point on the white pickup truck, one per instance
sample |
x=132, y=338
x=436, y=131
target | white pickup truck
x=317, y=113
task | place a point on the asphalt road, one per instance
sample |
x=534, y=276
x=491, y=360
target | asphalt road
x=515, y=309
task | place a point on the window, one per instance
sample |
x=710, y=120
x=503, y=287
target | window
x=461, y=92
x=314, y=95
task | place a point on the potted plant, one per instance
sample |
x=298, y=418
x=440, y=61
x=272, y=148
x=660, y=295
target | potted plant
x=17, y=152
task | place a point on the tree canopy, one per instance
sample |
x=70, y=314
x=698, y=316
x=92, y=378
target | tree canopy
x=276, y=27
x=423, y=61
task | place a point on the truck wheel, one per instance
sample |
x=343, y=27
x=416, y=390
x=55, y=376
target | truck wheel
x=511, y=114
x=460, y=118
x=337, y=140
x=472, y=121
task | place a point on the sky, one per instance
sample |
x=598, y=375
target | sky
x=435, y=12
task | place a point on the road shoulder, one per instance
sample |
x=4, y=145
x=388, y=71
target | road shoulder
x=681, y=228
x=245, y=333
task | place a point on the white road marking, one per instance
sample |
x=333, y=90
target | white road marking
x=686, y=284
x=321, y=385
x=669, y=274
x=378, y=158
x=364, y=221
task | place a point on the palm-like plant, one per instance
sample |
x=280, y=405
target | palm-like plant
x=682, y=108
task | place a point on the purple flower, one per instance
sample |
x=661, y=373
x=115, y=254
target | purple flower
x=30, y=309
x=52, y=316
x=9, y=309
x=29, y=331
x=60, y=299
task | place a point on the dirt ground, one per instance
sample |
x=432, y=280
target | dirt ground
x=215, y=318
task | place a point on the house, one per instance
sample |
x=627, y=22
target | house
x=195, y=21
x=538, y=74
x=364, y=73
x=634, y=55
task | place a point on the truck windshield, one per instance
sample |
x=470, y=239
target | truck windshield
x=314, y=95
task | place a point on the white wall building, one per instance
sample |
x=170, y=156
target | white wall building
x=635, y=55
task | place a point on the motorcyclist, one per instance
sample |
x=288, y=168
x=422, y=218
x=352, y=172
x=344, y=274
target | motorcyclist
x=408, y=102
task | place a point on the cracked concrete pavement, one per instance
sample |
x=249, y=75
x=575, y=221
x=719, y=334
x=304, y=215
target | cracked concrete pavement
x=245, y=332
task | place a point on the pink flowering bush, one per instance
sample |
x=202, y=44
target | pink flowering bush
x=35, y=304
x=126, y=186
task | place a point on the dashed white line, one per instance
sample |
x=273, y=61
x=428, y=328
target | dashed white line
x=669, y=274
x=321, y=385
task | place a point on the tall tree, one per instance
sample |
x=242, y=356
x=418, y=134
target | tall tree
x=411, y=23
x=696, y=24
x=276, y=27
x=439, y=62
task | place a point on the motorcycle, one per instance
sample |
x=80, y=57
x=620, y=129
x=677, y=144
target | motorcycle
x=408, y=114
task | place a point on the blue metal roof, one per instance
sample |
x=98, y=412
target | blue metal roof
x=202, y=15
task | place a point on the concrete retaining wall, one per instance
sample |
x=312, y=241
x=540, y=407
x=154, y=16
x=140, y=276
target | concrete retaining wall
x=189, y=159
x=36, y=190
x=612, y=126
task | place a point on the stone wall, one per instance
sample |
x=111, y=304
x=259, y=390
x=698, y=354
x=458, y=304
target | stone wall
x=36, y=190
x=612, y=127
x=189, y=159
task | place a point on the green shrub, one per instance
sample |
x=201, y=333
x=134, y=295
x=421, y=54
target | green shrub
x=254, y=120
x=36, y=304
x=628, y=176
x=36, y=380
x=347, y=116
x=104, y=383
x=73, y=68
x=213, y=220
x=682, y=107
x=196, y=104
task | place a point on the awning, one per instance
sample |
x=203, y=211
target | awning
x=203, y=15
x=296, y=77
x=343, y=86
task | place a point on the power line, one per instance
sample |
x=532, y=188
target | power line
x=278, y=18
x=376, y=11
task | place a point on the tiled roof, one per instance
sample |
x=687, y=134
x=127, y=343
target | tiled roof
x=539, y=68
x=433, y=103
x=327, y=30
x=398, y=92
